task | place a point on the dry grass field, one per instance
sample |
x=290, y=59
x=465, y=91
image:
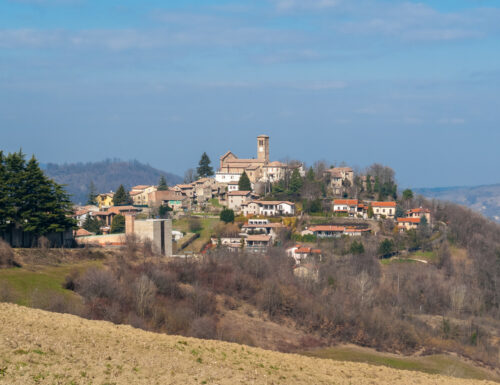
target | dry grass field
x=38, y=347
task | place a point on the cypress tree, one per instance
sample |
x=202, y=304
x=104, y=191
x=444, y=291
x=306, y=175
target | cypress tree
x=14, y=177
x=162, y=184
x=92, y=194
x=121, y=197
x=204, y=169
x=244, y=183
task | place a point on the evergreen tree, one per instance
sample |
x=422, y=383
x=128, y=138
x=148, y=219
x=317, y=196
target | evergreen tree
x=204, y=169
x=386, y=248
x=4, y=198
x=118, y=224
x=92, y=224
x=92, y=194
x=14, y=177
x=162, y=184
x=295, y=181
x=121, y=197
x=310, y=175
x=357, y=248
x=244, y=183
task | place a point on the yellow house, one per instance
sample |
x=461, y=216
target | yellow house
x=104, y=200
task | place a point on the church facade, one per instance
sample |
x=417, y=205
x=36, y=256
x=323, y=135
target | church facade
x=258, y=169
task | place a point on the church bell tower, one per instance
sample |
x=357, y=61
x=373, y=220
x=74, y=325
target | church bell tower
x=263, y=148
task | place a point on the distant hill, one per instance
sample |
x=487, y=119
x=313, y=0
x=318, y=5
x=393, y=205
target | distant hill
x=106, y=175
x=484, y=199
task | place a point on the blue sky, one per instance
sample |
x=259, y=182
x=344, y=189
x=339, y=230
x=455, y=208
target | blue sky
x=413, y=85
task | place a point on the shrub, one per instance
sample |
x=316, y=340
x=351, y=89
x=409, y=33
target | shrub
x=227, y=215
x=195, y=225
x=204, y=327
x=118, y=224
x=6, y=254
x=97, y=283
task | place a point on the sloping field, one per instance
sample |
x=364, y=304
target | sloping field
x=38, y=347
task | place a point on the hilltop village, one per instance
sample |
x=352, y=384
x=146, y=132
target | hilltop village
x=253, y=204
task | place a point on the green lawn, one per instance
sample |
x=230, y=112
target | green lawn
x=25, y=281
x=434, y=364
x=206, y=231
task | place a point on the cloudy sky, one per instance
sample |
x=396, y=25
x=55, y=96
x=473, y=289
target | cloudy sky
x=414, y=85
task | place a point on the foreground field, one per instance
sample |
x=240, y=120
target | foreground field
x=38, y=347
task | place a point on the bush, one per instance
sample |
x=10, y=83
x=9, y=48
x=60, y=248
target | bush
x=227, y=215
x=204, y=327
x=97, y=283
x=118, y=224
x=6, y=254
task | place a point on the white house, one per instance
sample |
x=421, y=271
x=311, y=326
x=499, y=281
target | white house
x=383, y=209
x=269, y=208
x=227, y=177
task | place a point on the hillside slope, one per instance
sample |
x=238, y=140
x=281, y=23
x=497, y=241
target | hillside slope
x=106, y=175
x=483, y=199
x=38, y=347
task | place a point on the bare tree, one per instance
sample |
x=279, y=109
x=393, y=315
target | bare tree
x=189, y=175
x=144, y=291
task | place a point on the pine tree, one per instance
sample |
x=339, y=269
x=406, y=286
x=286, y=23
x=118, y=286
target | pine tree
x=92, y=224
x=204, y=169
x=121, y=197
x=310, y=175
x=162, y=184
x=295, y=181
x=227, y=215
x=244, y=183
x=92, y=194
x=14, y=178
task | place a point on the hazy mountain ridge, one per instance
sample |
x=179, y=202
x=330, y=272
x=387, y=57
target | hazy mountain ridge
x=107, y=175
x=484, y=199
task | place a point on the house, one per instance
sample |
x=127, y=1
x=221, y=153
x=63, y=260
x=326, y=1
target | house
x=340, y=179
x=355, y=231
x=174, y=199
x=227, y=177
x=269, y=208
x=325, y=231
x=300, y=253
x=81, y=214
x=264, y=227
x=140, y=194
x=382, y=210
x=104, y=200
x=273, y=172
x=347, y=206
x=405, y=224
x=187, y=190
x=236, y=199
x=203, y=189
x=233, y=186
x=258, y=241
x=419, y=213
x=107, y=216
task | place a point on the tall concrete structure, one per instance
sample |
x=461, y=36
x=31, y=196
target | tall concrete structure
x=158, y=231
x=263, y=148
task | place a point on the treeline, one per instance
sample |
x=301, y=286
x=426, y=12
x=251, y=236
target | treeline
x=29, y=200
x=106, y=176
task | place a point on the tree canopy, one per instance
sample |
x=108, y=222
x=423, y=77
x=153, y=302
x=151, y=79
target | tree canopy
x=29, y=200
x=227, y=215
x=204, y=169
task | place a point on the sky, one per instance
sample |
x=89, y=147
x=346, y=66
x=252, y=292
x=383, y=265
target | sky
x=412, y=85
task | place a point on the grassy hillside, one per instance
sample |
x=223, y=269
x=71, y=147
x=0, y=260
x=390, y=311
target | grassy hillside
x=38, y=347
x=106, y=175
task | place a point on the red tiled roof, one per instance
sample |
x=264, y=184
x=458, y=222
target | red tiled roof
x=83, y=233
x=349, y=202
x=409, y=220
x=383, y=204
x=267, y=225
x=419, y=210
x=273, y=202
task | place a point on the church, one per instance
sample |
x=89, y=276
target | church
x=258, y=169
